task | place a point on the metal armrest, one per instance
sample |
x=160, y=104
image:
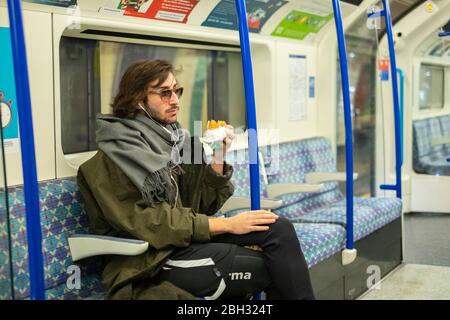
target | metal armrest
x=236, y=203
x=321, y=177
x=440, y=140
x=279, y=189
x=87, y=245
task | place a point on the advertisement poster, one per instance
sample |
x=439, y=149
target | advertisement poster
x=8, y=101
x=297, y=88
x=302, y=25
x=258, y=12
x=166, y=10
x=59, y=3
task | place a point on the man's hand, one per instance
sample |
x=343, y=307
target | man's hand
x=229, y=138
x=250, y=221
x=219, y=154
x=242, y=223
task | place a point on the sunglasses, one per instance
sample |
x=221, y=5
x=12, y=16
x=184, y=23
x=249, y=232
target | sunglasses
x=166, y=94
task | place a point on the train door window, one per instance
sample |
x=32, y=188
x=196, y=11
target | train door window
x=431, y=93
x=80, y=94
x=361, y=45
x=91, y=71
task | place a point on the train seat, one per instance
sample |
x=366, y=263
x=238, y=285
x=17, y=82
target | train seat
x=369, y=214
x=239, y=159
x=62, y=214
x=312, y=161
x=318, y=241
x=431, y=145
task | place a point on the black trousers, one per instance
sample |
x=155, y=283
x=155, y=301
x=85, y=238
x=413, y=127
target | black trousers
x=225, y=269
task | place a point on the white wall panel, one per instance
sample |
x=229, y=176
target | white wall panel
x=38, y=44
x=297, y=129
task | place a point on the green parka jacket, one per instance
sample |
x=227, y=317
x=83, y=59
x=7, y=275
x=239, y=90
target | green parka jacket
x=115, y=208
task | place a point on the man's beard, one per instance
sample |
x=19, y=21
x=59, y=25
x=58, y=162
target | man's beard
x=155, y=115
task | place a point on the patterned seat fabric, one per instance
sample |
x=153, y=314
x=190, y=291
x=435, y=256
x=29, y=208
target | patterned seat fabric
x=429, y=158
x=5, y=274
x=368, y=214
x=239, y=159
x=319, y=241
x=329, y=205
x=62, y=214
x=288, y=163
x=320, y=215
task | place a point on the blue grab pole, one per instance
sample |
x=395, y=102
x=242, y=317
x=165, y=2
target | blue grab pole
x=250, y=104
x=402, y=109
x=347, y=120
x=398, y=146
x=34, y=234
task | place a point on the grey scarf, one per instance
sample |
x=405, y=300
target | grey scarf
x=145, y=152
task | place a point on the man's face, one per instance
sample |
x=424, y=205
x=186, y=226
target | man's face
x=163, y=105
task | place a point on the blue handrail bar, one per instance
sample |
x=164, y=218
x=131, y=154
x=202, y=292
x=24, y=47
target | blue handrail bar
x=31, y=189
x=250, y=104
x=388, y=187
x=398, y=144
x=250, y=108
x=347, y=120
x=401, y=75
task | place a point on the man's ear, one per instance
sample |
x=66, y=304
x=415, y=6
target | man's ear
x=142, y=103
x=145, y=102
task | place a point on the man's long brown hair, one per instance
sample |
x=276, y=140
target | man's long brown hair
x=134, y=85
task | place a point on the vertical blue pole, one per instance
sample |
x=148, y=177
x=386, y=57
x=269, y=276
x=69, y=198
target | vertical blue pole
x=250, y=104
x=347, y=120
x=28, y=154
x=402, y=110
x=398, y=160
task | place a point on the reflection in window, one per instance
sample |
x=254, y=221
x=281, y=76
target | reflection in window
x=91, y=71
x=361, y=45
x=431, y=93
x=441, y=49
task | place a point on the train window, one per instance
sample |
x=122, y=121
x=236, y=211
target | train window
x=440, y=49
x=361, y=45
x=90, y=72
x=431, y=94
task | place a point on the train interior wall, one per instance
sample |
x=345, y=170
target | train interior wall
x=273, y=66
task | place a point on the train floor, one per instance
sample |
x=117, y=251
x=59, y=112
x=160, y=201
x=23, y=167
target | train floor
x=425, y=272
